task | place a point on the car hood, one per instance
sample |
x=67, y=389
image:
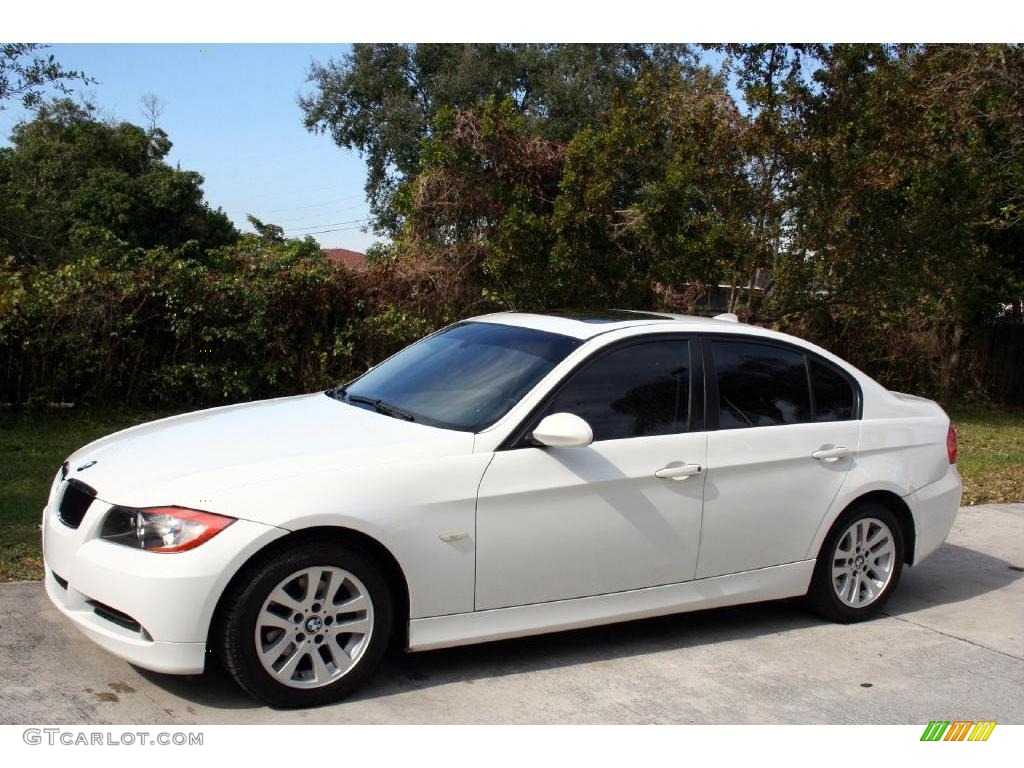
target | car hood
x=182, y=458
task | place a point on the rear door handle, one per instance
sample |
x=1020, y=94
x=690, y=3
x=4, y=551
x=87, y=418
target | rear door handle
x=839, y=452
x=678, y=471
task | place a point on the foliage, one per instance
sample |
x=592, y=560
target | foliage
x=654, y=193
x=384, y=99
x=906, y=164
x=25, y=73
x=246, y=321
x=71, y=181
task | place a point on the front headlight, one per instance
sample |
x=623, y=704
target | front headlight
x=162, y=529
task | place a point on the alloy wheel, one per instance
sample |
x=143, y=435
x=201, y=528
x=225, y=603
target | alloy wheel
x=314, y=627
x=863, y=562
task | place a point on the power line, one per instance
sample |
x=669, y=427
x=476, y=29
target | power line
x=325, y=231
x=280, y=192
x=322, y=213
x=332, y=224
x=298, y=207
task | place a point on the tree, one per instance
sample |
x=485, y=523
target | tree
x=905, y=175
x=653, y=193
x=382, y=100
x=269, y=234
x=770, y=77
x=69, y=179
x=658, y=191
x=25, y=74
x=152, y=109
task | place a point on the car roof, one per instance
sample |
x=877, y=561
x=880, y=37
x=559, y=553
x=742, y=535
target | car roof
x=585, y=324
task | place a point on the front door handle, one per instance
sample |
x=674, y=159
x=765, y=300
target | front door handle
x=825, y=454
x=678, y=471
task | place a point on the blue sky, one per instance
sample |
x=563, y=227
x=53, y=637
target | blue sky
x=232, y=115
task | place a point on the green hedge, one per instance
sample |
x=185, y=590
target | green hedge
x=160, y=326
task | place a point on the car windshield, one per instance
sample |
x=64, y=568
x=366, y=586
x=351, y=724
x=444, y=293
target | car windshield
x=465, y=377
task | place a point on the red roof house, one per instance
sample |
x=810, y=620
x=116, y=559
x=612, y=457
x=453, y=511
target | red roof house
x=343, y=257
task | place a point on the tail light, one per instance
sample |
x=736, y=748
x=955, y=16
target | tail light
x=951, y=444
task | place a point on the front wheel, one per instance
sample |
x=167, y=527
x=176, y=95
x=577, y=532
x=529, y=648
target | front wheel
x=306, y=627
x=859, y=564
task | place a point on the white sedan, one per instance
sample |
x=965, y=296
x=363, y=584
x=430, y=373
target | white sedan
x=508, y=475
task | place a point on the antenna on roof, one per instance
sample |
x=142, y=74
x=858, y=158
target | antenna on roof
x=728, y=317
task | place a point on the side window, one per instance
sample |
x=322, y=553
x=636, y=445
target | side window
x=760, y=385
x=833, y=394
x=637, y=390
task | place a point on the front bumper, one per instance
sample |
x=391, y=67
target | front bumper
x=934, y=509
x=151, y=609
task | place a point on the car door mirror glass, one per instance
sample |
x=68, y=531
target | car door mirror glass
x=563, y=430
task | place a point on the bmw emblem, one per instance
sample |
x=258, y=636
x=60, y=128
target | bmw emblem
x=86, y=465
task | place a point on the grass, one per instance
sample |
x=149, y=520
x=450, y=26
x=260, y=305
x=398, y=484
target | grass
x=991, y=459
x=33, y=444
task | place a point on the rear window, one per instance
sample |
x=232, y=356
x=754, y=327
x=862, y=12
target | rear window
x=833, y=393
x=760, y=385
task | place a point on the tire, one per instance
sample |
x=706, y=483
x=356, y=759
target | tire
x=850, y=581
x=288, y=608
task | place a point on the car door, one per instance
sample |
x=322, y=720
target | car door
x=786, y=437
x=559, y=523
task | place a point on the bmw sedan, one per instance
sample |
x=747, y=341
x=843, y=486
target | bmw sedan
x=509, y=475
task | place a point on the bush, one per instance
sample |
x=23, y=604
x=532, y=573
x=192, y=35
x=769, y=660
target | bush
x=247, y=321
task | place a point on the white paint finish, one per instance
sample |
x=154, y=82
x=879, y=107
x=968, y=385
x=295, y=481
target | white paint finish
x=406, y=507
x=567, y=522
x=911, y=451
x=573, y=536
x=563, y=430
x=172, y=595
x=934, y=508
x=309, y=461
x=580, y=329
x=896, y=455
x=765, y=495
x=170, y=658
x=186, y=459
x=773, y=583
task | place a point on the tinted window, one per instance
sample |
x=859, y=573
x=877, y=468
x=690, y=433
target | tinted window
x=833, y=395
x=641, y=389
x=467, y=376
x=760, y=385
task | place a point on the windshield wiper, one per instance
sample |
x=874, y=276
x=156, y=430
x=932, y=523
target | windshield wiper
x=380, y=406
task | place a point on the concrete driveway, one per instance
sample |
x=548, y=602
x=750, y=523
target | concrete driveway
x=951, y=647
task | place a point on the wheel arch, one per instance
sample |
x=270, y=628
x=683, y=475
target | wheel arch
x=895, y=504
x=392, y=571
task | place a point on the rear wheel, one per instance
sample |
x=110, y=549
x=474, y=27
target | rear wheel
x=306, y=627
x=859, y=564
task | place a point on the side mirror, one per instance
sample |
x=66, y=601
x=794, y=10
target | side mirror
x=563, y=430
